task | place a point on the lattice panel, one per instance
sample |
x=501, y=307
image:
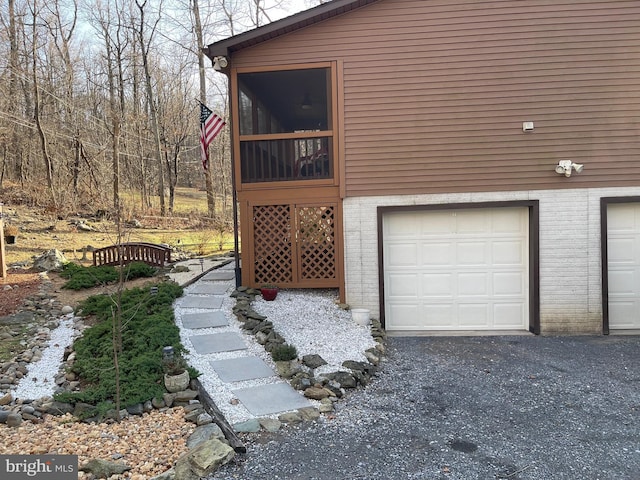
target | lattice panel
x=272, y=244
x=316, y=242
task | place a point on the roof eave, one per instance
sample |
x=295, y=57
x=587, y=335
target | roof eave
x=282, y=27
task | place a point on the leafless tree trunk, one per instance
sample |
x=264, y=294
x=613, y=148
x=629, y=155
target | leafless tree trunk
x=211, y=197
x=48, y=162
x=145, y=45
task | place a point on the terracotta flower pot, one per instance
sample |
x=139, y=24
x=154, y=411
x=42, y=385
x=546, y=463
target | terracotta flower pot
x=269, y=293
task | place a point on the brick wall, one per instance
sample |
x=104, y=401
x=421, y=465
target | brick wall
x=570, y=270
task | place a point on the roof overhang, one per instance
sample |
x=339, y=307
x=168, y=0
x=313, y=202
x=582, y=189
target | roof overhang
x=224, y=48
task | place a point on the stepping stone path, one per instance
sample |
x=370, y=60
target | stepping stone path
x=207, y=294
x=194, y=321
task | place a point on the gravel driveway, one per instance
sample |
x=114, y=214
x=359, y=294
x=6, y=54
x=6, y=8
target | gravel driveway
x=514, y=407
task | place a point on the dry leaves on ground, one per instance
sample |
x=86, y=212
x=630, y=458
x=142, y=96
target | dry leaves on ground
x=23, y=283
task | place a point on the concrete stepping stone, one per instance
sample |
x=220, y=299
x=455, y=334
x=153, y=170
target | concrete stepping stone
x=201, y=302
x=217, y=342
x=272, y=398
x=204, y=320
x=208, y=288
x=242, y=368
x=219, y=275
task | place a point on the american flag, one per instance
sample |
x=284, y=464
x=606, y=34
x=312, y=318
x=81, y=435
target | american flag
x=210, y=126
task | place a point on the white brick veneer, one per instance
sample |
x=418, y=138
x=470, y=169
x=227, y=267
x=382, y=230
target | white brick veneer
x=570, y=284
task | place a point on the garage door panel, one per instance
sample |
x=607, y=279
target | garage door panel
x=437, y=285
x=437, y=224
x=403, y=285
x=508, y=284
x=507, y=253
x=436, y=254
x=475, y=223
x=507, y=316
x=472, y=253
x=622, y=250
x=407, y=316
x=624, y=314
x=622, y=282
x=403, y=254
x=471, y=266
x=472, y=284
x=509, y=221
x=473, y=315
x=622, y=218
x=401, y=225
x=623, y=265
x=437, y=316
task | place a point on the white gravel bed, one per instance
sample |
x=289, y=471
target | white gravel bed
x=312, y=321
x=308, y=319
x=40, y=381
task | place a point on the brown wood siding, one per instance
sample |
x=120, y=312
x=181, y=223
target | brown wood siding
x=435, y=92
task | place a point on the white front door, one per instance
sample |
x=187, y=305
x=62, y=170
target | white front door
x=623, y=265
x=456, y=269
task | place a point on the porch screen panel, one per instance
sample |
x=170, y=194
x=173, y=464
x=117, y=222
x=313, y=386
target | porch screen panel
x=316, y=242
x=272, y=244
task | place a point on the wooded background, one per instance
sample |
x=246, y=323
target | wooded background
x=99, y=99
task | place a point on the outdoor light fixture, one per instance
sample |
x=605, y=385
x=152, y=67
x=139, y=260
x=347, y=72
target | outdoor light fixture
x=565, y=167
x=167, y=353
x=219, y=63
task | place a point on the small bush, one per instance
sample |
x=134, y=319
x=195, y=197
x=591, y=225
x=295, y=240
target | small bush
x=88, y=277
x=148, y=327
x=284, y=353
x=138, y=270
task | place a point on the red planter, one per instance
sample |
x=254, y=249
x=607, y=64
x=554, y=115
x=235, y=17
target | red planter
x=269, y=294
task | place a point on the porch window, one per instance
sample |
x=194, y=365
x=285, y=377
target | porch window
x=285, y=125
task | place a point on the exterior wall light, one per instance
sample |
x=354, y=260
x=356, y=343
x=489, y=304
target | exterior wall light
x=565, y=167
x=219, y=63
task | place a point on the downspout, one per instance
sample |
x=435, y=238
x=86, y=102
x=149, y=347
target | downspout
x=236, y=243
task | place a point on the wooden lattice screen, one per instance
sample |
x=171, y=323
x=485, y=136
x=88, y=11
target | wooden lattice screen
x=272, y=244
x=278, y=248
x=316, y=246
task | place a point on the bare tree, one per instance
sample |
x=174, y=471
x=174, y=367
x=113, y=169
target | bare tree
x=197, y=26
x=145, y=45
x=44, y=144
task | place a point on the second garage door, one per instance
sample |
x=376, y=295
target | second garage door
x=623, y=265
x=454, y=270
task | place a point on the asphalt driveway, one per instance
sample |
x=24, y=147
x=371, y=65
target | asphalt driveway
x=513, y=407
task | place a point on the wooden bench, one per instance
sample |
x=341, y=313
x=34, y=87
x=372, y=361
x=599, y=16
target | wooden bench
x=149, y=253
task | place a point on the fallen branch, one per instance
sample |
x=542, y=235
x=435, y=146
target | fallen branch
x=213, y=410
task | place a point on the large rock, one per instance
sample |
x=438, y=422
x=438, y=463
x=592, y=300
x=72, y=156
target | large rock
x=313, y=361
x=52, y=260
x=204, y=433
x=104, y=468
x=202, y=460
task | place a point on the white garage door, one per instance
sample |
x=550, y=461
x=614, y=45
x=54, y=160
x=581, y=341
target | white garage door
x=456, y=269
x=623, y=265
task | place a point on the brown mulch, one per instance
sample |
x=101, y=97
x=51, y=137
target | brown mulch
x=24, y=283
